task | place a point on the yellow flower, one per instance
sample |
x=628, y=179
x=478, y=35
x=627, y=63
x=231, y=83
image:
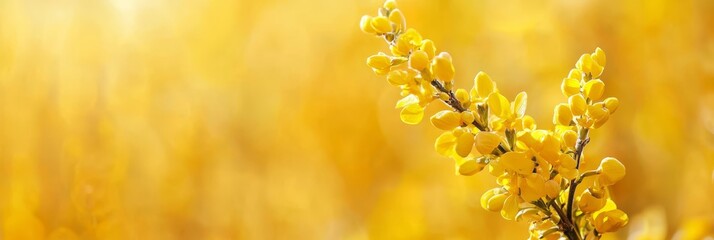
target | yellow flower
x=552, y=188
x=468, y=166
x=587, y=65
x=562, y=115
x=486, y=142
x=592, y=200
x=486, y=196
x=518, y=162
x=499, y=105
x=577, y=104
x=381, y=24
x=380, y=63
x=495, y=203
x=467, y=117
x=365, y=24
x=611, y=104
x=412, y=114
x=396, y=17
x=570, y=86
x=569, y=138
x=611, y=170
x=419, y=60
x=390, y=4
x=399, y=77
x=611, y=221
x=464, y=144
x=442, y=67
x=446, y=120
x=445, y=144
x=599, y=57
x=428, y=46
x=406, y=42
x=593, y=89
x=483, y=86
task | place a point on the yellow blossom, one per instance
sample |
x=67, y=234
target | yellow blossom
x=517, y=161
x=577, y=104
x=611, y=170
x=446, y=120
x=464, y=144
x=381, y=24
x=593, y=89
x=570, y=86
x=592, y=200
x=486, y=142
x=611, y=104
x=562, y=115
x=396, y=17
x=611, y=221
x=442, y=67
x=483, y=86
x=445, y=144
x=419, y=60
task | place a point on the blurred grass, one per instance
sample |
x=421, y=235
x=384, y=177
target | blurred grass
x=127, y=119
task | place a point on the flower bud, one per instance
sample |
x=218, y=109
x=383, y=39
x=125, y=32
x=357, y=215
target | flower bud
x=552, y=188
x=483, y=84
x=428, y=46
x=570, y=138
x=398, y=77
x=379, y=61
x=570, y=86
x=390, y=4
x=396, y=17
x=468, y=166
x=467, y=117
x=599, y=57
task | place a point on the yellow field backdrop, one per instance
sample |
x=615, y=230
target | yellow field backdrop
x=189, y=119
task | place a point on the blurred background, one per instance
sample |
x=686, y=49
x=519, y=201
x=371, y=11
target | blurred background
x=130, y=119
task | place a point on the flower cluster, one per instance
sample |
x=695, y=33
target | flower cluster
x=538, y=171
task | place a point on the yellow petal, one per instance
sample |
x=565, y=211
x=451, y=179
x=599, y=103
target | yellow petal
x=567, y=161
x=519, y=105
x=599, y=57
x=467, y=117
x=570, y=86
x=562, y=115
x=428, y=47
x=611, y=221
x=445, y=144
x=486, y=142
x=396, y=17
x=381, y=24
x=584, y=64
x=575, y=74
x=365, y=24
x=552, y=188
x=487, y=196
x=412, y=114
x=398, y=77
x=510, y=207
x=611, y=104
x=379, y=61
x=570, y=138
x=442, y=67
x=468, y=166
x=446, y=120
x=591, y=201
x=390, y=4
x=593, y=89
x=419, y=60
x=484, y=85
x=496, y=202
x=611, y=170
x=517, y=161
x=499, y=105
x=464, y=144
x=462, y=95
x=408, y=100
x=577, y=104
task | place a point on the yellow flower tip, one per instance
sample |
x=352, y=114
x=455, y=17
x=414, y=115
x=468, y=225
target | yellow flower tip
x=611, y=221
x=464, y=144
x=593, y=89
x=446, y=120
x=428, y=46
x=390, y=4
x=467, y=117
x=584, y=63
x=486, y=142
x=592, y=200
x=397, y=18
x=599, y=114
x=484, y=85
x=469, y=166
x=379, y=62
x=567, y=161
x=611, y=104
x=365, y=24
x=398, y=77
x=599, y=57
x=419, y=60
x=577, y=104
x=518, y=162
x=412, y=114
x=442, y=67
x=562, y=115
x=570, y=86
x=611, y=170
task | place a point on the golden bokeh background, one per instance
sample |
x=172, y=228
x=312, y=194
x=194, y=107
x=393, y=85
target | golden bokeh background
x=189, y=119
